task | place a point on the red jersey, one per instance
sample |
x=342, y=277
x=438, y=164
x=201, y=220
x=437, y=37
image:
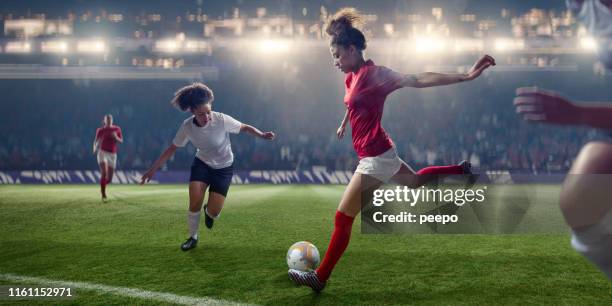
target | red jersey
x=105, y=136
x=366, y=91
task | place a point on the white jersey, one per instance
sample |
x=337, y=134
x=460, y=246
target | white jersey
x=596, y=16
x=212, y=140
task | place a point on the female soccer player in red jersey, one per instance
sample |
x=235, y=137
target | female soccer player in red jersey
x=107, y=138
x=367, y=85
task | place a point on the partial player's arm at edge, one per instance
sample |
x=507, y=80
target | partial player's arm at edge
x=595, y=114
x=163, y=158
x=249, y=129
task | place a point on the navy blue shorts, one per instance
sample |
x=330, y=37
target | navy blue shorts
x=219, y=180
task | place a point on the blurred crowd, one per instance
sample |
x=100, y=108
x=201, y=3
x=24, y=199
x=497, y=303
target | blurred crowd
x=50, y=124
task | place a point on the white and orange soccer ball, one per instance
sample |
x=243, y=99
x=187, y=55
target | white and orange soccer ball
x=303, y=256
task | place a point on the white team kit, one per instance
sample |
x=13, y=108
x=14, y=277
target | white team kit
x=595, y=243
x=212, y=140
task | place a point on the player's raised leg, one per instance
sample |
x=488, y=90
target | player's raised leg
x=213, y=208
x=197, y=191
x=406, y=176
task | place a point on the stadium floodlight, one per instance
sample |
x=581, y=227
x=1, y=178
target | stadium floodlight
x=197, y=46
x=509, y=44
x=167, y=46
x=18, y=47
x=91, y=46
x=273, y=46
x=588, y=44
x=54, y=46
x=429, y=45
x=469, y=45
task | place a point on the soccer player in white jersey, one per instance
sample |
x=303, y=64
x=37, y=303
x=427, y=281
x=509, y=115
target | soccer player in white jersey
x=212, y=166
x=586, y=199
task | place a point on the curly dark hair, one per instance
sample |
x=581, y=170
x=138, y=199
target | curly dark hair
x=192, y=96
x=342, y=30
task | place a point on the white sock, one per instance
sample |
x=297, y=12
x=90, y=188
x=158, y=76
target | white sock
x=193, y=221
x=210, y=215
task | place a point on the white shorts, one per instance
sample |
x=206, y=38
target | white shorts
x=595, y=243
x=107, y=157
x=382, y=167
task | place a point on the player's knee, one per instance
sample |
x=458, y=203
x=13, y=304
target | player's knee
x=594, y=158
x=585, y=193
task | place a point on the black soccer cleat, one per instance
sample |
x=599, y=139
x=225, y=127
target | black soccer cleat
x=189, y=244
x=309, y=279
x=207, y=219
x=467, y=171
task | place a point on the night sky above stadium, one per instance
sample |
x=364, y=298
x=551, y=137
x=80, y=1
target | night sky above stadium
x=288, y=7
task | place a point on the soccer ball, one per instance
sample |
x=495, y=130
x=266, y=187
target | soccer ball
x=303, y=256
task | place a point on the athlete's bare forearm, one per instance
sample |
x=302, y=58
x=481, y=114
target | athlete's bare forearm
x=431, y=79
x=249, y=129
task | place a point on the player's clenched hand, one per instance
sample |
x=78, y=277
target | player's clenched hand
x=535, y=104
x=147, y=176
x=483, y=63
x=340, y=132
x=268, y=135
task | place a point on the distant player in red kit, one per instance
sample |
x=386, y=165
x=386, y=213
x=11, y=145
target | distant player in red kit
x=366, y=88
x=107, y=138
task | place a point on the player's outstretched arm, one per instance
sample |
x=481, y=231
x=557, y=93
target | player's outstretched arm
x=341, y=129
x=255, y=132
x=158, y=163
x=431, y=79
x=536, y=104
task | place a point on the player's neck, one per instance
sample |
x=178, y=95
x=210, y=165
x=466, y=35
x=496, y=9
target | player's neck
x=360, y=63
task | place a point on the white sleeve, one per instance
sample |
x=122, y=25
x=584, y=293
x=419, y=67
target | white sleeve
x=182, y=136
x=231, y=125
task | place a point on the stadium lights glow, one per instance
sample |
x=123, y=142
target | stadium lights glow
x=91, y=46
x=18, y=47
x=54, y=46
x=509, y=44
x=429, y=45
x=273, y=46
x=468, y=45
x=588, y=44
x=167, y=45
x=196, y=46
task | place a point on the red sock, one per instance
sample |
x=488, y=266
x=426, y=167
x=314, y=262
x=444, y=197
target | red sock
x=339, y=241
x=441, y=170
x=103, y=186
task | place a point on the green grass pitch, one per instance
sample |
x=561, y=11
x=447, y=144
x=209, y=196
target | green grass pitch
x=64, y=232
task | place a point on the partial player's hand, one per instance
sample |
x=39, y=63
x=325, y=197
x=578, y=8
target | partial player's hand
x=340, y=132
x=483, y=63
x=268, y=135
x=535, y=104
x=147, y=176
